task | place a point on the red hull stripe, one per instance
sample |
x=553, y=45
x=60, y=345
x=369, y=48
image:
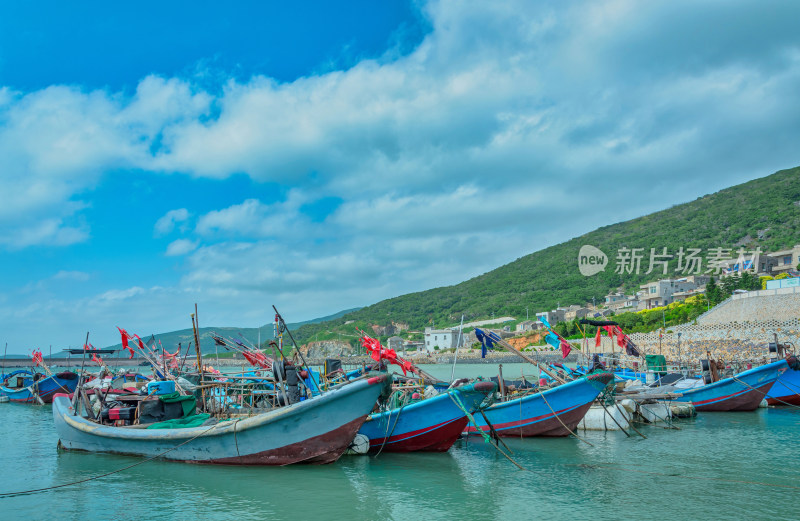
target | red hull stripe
x=523, y=422
x=408, y=435
x=729, y=396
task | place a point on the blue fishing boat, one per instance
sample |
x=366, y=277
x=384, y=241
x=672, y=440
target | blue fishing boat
x=741, y=392
x=432, y=424
x=24, y=386
x=786, y=390
x=317, y=430
x=545, y=413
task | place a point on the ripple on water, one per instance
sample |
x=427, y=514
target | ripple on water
x=672, y=472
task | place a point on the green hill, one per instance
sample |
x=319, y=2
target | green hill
x=761, y=213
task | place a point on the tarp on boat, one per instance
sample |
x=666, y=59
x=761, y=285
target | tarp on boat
x=195, y=420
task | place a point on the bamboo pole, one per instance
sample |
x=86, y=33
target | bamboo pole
x=542, y=367
x=199, y=355
x=80, y=379
x=297, y=348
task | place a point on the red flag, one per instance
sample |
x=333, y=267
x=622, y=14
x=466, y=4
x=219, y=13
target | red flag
x=125, y=336
x=37, y=357
x=597, y=337
x=620, y=338
x=257, y=359
x=378, y=353
x=141, y=344
x=565, y=348
x=610, y=331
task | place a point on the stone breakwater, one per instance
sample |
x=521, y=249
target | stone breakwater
x=732, y=341
x=772, y=306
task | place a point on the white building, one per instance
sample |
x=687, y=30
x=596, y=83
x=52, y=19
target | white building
x=661, y=292
x=440, y=338
x=553, y=317
x=785, y=260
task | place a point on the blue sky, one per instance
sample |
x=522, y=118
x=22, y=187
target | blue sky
x=320, y=156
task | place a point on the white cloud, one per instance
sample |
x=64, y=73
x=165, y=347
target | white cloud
x=47, y=232
x=180, y=247
x=253, y=218
x=167, y=222
x=512, y=126
x=78, y=276
x=58, y=142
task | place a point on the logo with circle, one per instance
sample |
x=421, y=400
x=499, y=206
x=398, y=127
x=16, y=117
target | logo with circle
x=591, y=260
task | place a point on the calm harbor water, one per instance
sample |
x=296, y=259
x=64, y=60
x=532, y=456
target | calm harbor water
x=718, y=466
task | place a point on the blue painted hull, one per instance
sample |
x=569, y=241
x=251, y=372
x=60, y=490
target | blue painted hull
x=742, y=392
x=786, y=390
x=546, y=413
x=46, y=388
x=317, y=430
x=433, y=424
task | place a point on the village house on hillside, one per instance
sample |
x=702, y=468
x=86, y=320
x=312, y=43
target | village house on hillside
x=663, y=292
x=440, y=338
x=784, y=261
x=666, y=291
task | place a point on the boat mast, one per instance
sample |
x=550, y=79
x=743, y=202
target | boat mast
x=458, y=344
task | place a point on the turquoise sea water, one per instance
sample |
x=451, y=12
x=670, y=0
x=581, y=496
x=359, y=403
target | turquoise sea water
x=718, y=466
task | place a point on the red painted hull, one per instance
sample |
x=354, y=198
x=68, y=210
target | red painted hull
x=792, y=399
x=550, y=427
x=438, y=439
x=322, y=449
x=748, y=401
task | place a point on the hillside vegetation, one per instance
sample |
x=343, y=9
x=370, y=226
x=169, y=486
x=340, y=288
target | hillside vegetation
x=250, y=334
x=761, y=213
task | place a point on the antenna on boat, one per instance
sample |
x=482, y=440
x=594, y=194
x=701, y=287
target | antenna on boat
x=458, y=344
x=284, y=327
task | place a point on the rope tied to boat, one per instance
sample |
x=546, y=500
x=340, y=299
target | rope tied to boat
x=559, y=419
x=762, y=393
x=390, y=433
x=92, y=478
x=486, y=438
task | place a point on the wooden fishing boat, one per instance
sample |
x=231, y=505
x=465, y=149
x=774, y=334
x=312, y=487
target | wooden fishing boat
x=786, y=390
x=24, y=386
x=432, y=424
x=316, y=430
x=740, y=392
x=544, y=413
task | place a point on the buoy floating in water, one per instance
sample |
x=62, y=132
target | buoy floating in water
x=359, y=445
x=683, y=410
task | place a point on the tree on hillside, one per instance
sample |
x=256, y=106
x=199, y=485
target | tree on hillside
x=713, y=292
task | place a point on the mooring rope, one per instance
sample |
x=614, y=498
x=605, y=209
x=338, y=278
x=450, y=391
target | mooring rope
x=559, y=418
x=92, y=478
x=666, y=420
x=486, y=437
x=630, y=423
x=396, y=419
x=762, y=393
x=788, y=385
